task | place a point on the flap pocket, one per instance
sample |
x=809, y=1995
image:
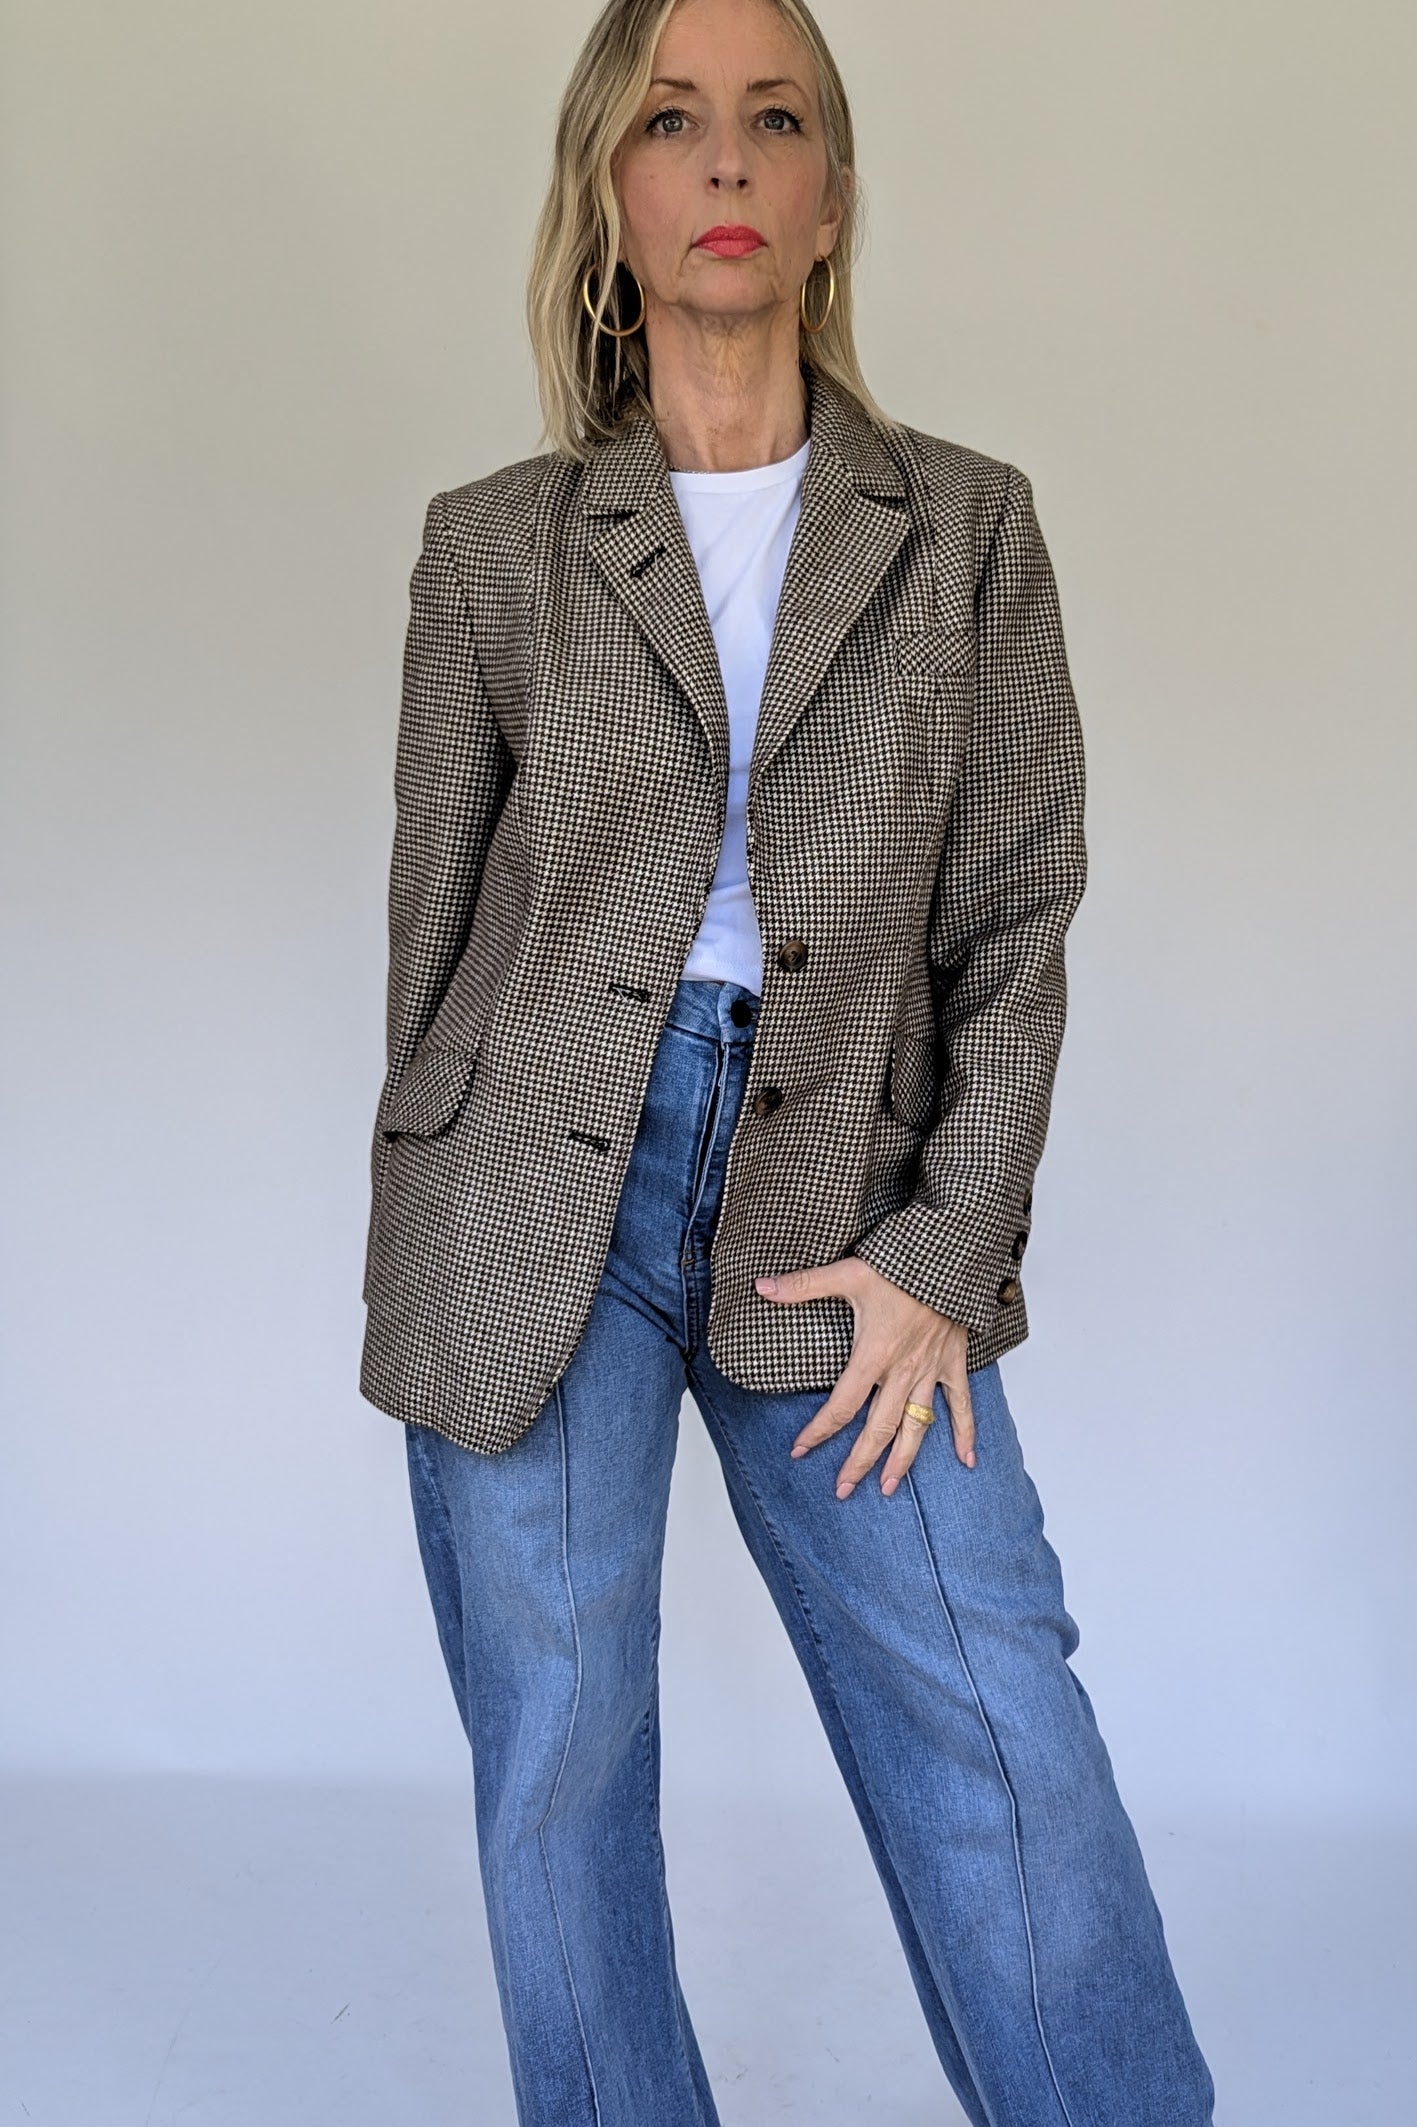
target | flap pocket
x=937, y=649
x=430, y=1092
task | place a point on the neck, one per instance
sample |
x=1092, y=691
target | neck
x=729, y=401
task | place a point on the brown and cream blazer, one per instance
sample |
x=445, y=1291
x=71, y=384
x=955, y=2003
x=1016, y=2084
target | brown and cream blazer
x=916, y=854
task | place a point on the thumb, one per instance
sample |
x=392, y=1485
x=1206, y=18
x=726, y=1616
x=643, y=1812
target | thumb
x=816, y=1282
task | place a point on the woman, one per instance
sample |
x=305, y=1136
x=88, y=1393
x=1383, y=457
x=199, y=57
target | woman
x=739, y=788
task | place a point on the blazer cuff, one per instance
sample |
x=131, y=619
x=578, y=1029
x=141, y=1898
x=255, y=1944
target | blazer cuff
x=962, y=1265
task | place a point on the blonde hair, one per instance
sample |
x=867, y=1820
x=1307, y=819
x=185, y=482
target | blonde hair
x=589, y=384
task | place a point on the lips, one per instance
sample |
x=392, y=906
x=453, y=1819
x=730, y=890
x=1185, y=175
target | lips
x=730, y=241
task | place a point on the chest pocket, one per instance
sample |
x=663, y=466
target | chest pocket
x=938, y=651
x=935, y=674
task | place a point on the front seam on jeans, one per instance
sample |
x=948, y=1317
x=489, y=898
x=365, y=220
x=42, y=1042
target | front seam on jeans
x=674, y=1988
x=987, y=1726
x=565, y=1753
x=951, y=2005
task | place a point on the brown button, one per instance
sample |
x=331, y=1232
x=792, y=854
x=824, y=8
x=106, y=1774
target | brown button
x=793, y=955
x=767, y=1099
x=1009, y=1290
x=1020, y=1242
x=1028, y=1203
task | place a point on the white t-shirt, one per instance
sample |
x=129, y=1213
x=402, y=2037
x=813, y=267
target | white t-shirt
x=740, y=527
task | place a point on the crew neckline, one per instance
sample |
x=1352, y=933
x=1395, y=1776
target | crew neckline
x=747, y=476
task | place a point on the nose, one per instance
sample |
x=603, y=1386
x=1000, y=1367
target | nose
x=727, y=163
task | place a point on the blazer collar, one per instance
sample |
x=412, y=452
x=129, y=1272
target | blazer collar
x=853, y=520
x=625, y=471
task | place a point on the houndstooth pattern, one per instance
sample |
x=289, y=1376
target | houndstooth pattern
x=915, y=817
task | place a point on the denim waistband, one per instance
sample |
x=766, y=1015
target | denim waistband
x=707, y=1008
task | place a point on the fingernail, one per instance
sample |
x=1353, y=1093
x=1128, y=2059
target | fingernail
x=799, y=1451
x=969, y=1458
x=844, y=1491
x=888, y=1485
x=766, y=1284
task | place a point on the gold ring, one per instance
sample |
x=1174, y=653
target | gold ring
x=919, y=1411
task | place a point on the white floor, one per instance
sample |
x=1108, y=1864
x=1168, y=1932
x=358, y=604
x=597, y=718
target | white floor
x=204, y=1954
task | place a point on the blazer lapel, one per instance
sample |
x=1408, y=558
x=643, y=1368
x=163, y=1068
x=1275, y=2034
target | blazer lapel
x=636, y=535
x=853, y=519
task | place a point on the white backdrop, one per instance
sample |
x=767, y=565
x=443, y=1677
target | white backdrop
x=265, y=267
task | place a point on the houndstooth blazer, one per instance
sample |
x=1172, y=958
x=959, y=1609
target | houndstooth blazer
x=915, y=851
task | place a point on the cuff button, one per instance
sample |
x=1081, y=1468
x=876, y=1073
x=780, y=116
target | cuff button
x=1009, y=1290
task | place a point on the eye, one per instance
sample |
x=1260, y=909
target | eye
x=669, y=110
x=781, y=111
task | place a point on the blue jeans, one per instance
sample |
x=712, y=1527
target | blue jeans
x=931, y=1628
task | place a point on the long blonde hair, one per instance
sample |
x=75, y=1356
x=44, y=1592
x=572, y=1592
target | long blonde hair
x=589, y=384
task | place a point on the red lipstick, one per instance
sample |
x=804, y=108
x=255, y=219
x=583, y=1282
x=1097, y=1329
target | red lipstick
x=730, y=241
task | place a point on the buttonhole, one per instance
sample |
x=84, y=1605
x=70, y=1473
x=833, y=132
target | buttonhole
x=637, y=568
x=587, y=1137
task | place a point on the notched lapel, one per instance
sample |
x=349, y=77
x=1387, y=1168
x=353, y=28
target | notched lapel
x=845, y=540
x=636, y=536
x=853, y=520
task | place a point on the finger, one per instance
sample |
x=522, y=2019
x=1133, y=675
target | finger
x=842, y=1405
x=818, y=1281
x=961, y=1411
x=877, y=1433
x=906, y=1445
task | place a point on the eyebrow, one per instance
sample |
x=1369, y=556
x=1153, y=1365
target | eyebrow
x=753, y=88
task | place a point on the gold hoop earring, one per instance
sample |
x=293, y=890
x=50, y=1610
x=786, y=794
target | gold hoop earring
x=624, y=331
x=831, y=296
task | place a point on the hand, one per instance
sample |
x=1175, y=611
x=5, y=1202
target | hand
x=900, y=1348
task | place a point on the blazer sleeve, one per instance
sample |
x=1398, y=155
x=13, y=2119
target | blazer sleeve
x=1012, y=872
x=452, y=768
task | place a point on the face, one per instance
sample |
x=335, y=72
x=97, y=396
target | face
x=728, y=139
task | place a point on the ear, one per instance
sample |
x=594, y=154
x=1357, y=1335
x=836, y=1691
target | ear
x=829, y=228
